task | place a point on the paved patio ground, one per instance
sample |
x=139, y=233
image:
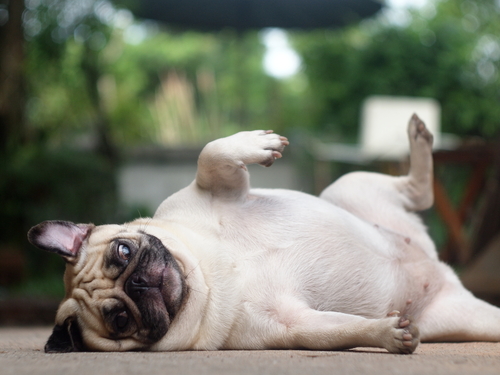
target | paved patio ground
x=21, y=352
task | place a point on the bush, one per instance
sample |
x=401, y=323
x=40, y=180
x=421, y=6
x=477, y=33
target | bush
x=38, y=185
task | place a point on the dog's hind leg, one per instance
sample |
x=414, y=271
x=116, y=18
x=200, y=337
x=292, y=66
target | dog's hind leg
x=456, y=315
x=388, y=202
x=372, y=195
x=417, y=185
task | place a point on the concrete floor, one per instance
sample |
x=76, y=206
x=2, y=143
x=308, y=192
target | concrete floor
x=21, y=352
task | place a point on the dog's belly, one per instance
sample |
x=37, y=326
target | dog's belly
x=327, y=257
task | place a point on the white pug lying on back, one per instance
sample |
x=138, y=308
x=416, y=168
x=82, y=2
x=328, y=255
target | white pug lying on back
x=223, y=266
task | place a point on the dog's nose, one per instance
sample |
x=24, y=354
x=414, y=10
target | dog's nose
x=135, y=285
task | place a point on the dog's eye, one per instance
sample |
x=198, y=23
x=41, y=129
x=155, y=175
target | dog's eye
x=121, y=320
x=124, y=252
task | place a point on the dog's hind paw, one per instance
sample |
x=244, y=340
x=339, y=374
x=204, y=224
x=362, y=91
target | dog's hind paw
x=417, y=130
x=405, y=335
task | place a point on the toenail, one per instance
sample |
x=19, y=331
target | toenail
x=404, y=323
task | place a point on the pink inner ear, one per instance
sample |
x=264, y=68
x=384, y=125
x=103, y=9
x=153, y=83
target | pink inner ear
x=71, y=238
x=67, y=238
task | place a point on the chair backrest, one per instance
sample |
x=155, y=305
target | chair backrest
x=384, y=120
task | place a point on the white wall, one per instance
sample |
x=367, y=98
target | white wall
x=148, y=184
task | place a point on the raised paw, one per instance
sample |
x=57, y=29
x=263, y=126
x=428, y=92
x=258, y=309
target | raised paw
x=269, y=147
x=417, y=130
x=406, y=336
x=222, y=162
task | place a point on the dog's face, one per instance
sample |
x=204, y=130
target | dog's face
x=123, y=286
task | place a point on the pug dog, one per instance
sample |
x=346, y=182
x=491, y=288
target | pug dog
x=224, y=266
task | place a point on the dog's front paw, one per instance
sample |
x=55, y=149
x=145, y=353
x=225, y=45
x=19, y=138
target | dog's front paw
x=403, y=337
x=261, y=147
x=273, y=143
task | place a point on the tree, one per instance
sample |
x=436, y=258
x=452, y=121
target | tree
x=450, y=52
x=11, y=76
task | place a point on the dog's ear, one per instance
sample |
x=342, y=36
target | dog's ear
x=65, y=338
x=61, y=237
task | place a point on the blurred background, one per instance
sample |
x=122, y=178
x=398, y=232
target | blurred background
x=105, y=105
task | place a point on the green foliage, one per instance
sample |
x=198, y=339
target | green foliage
x=83, y=70
x=437, y=56
x=49, y=285
x=38, y=185
x=75, y=84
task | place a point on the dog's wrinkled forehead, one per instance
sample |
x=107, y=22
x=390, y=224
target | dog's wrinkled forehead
x=98, y=271
x=97, y=261
x=105, y=261
x=98, y=253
